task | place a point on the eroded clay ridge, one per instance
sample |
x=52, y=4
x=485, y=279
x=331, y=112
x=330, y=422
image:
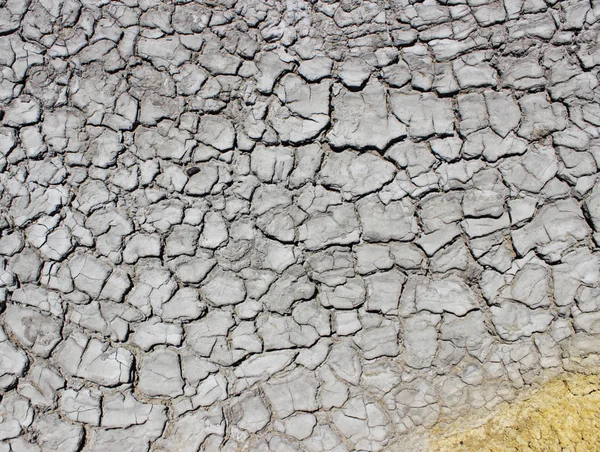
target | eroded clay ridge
x=291, y=226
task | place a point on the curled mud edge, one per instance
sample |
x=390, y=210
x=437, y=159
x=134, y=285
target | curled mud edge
x=561, y=415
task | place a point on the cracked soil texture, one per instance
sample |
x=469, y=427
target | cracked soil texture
x=292, y=226
x=562, y=415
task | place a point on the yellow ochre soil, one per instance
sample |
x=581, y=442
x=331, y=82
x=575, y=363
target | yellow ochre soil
x=564, y=415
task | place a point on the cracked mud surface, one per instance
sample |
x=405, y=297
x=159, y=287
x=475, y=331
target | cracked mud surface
x=291, y=226
x=563, y=415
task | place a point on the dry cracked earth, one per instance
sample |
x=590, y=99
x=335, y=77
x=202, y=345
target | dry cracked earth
x=320, y=225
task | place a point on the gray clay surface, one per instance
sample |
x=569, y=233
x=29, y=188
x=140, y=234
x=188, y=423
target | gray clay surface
x=316, y=226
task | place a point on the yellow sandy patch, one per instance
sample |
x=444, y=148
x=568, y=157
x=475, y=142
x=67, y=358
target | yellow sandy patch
x=563, y=416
